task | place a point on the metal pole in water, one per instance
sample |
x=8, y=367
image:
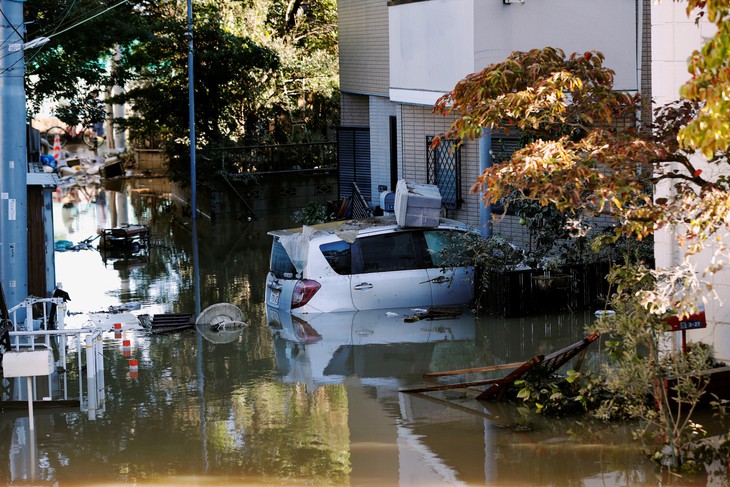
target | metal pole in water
x=31, y=421
x=81, y=382
x=191, y=112
x=100, y=371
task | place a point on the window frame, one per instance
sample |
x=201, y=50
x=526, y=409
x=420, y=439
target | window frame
x=438, y=172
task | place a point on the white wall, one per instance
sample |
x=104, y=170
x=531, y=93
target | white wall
x=674, y=37
x=380, y=112
x=431, y=48
x=436, y=43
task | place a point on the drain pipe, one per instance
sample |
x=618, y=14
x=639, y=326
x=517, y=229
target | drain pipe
x=485, y=162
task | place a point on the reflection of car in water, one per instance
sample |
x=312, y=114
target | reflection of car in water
x=325, y=347
x=366, y=264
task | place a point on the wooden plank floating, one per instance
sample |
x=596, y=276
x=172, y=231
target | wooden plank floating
x=548, y=364
x=434, y=314
x=500, y=387
x=459, y=385
x=488, y=368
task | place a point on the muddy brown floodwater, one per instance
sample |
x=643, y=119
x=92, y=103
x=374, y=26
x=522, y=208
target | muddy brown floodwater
x=286, y=401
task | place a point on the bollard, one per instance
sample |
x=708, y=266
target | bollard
x=133, y=368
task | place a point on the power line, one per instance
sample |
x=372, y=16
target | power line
x=63, y=31
x=90, y=18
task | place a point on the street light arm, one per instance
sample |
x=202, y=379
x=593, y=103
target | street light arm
x=36, y=43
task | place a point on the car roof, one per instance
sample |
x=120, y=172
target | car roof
x=364, y=226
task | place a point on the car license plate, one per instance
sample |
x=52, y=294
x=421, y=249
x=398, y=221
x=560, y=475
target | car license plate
x=274, y=297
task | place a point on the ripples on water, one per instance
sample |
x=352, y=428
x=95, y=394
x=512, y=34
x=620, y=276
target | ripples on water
x=285, y=405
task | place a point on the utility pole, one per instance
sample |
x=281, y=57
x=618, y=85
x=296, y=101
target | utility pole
x=13, y=156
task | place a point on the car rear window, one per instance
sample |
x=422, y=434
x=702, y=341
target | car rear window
x=281, y=264
x=338, y=256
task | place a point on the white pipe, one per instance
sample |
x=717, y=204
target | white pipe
x=30, y=405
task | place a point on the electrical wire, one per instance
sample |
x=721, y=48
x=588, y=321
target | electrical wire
x=88, y=19
x=3, y=71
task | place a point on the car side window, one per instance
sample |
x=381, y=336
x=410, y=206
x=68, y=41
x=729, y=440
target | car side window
x=338, y=256
x=394, y=251
x=438, y=243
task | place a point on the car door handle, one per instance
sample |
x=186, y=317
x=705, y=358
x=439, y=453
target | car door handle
x=274, y=285
x=363, y=285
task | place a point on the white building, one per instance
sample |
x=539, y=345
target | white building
x=674, y=37
x=397, y=58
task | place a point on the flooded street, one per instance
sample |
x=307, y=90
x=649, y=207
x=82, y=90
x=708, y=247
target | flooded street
x=286, y=401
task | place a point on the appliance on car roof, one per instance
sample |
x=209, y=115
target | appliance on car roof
x=417, y=205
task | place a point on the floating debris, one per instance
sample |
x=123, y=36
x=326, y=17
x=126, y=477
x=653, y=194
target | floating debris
x=171, y=322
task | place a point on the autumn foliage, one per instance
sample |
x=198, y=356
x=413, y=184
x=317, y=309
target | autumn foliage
x=584, y=153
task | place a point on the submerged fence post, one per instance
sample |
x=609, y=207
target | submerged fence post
x=100, y=370
x=91, y=376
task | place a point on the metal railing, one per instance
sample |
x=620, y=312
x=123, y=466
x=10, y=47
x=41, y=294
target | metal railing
x=263, y=159
x=89, y=352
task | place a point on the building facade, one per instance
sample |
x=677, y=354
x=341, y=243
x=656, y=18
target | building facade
x=398, y=58
x=674, y=37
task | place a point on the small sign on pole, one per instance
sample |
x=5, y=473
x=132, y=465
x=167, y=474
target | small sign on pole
x=28, y=363
x=694, y=321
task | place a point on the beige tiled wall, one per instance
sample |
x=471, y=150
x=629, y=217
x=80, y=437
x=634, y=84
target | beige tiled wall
x=354, y=110
x=363, y=44
x=418, y=123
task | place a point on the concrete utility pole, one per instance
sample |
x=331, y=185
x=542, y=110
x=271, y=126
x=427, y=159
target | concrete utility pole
x=13, y=156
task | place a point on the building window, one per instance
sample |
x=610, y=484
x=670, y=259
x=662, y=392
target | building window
x=354, y=160
x=444, y=170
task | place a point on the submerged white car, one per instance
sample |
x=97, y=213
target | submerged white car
x=365, y=264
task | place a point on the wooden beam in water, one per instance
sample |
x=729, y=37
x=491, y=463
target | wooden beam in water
x=459, y=385
x=500, y=387
x=487, y=368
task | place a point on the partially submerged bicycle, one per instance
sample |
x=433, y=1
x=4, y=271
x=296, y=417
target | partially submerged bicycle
x=87, y=135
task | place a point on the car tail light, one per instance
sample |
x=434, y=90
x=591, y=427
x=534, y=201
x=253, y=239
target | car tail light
x=304, y=291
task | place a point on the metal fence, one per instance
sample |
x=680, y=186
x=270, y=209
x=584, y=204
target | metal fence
x=262, y=159
x=360, y=207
